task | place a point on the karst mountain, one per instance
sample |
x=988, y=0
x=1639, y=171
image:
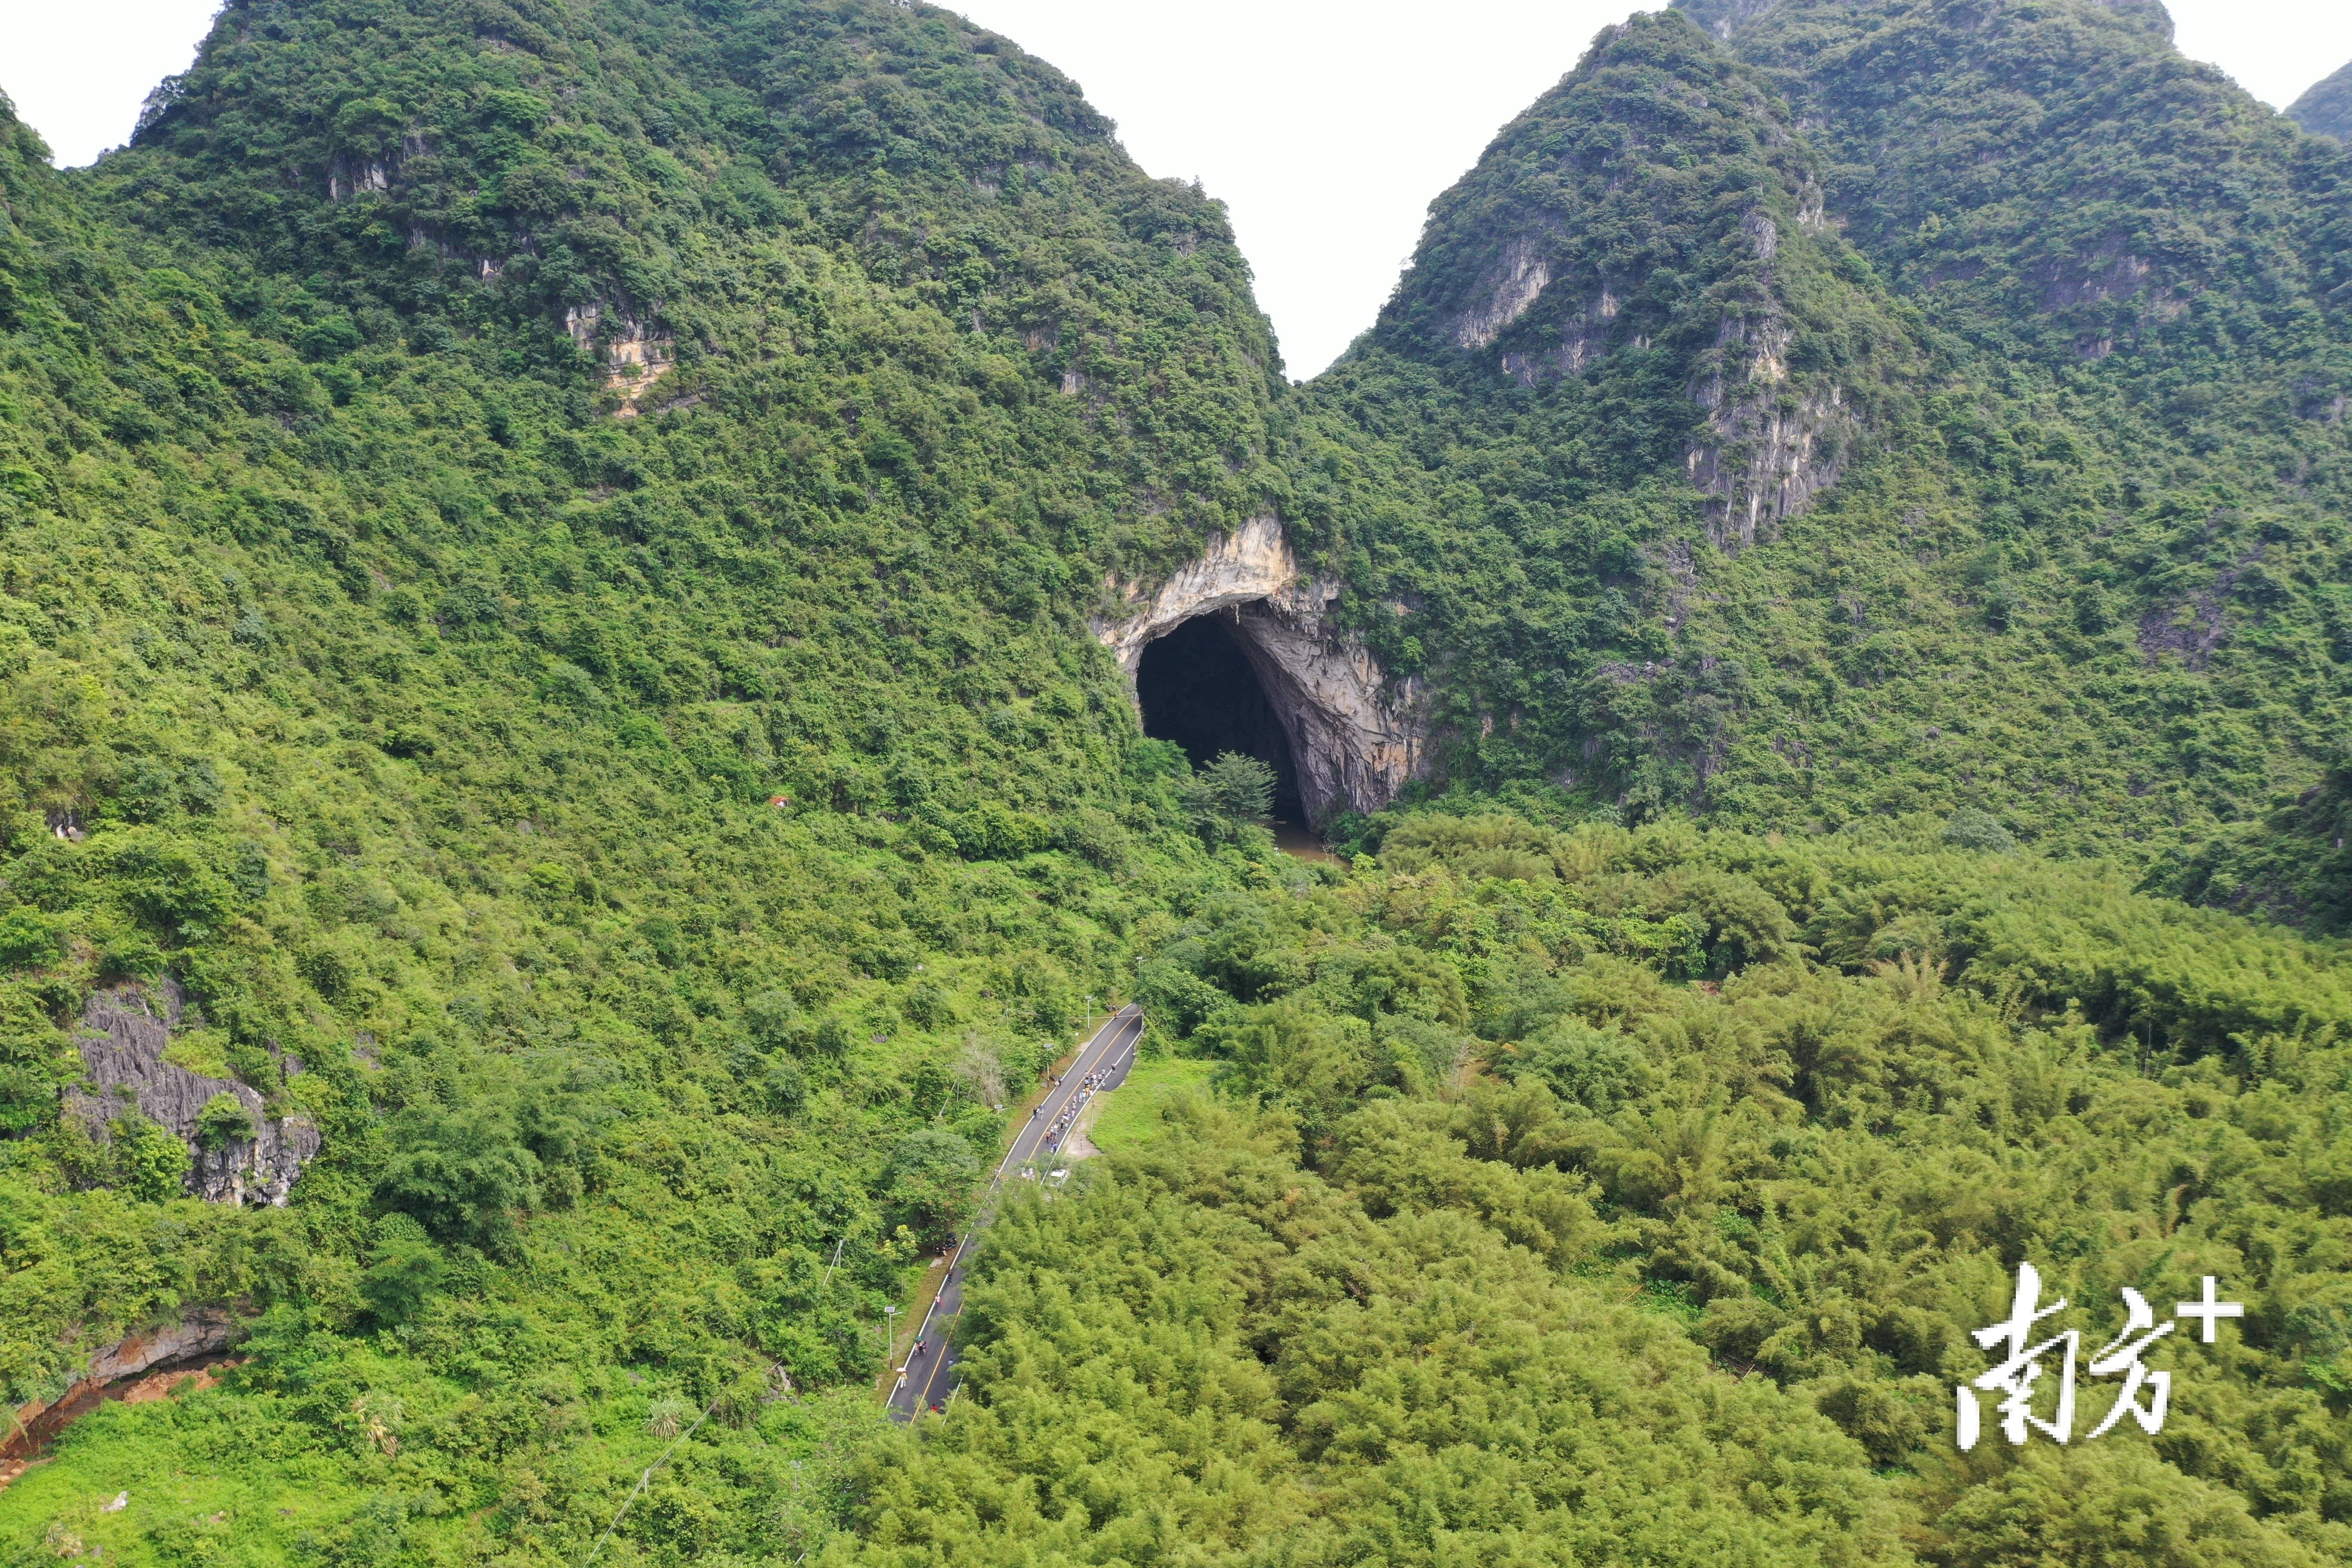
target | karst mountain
x=621, y=619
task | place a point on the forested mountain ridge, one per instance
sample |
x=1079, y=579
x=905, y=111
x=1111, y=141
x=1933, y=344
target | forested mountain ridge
x=2325, y=110
x=548, y=555
x=470, y=169
x=2179, y=258
x=674, y=813
x=2081, y=475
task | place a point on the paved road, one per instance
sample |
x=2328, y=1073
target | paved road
x=929, y=1377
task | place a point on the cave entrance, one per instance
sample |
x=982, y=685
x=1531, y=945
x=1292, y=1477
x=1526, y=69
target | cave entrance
x=1197, y=687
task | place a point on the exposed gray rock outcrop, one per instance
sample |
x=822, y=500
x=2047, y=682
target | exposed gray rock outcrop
x=1772, y=442
x=1503, y=296
x=122, y=1036
x=202, y=1334
x=1582, y=342
x=635, y=354
x=1769, y=448
x=1356, y=736
x=1253, y=562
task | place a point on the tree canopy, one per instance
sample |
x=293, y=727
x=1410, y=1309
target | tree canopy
x=552, y=568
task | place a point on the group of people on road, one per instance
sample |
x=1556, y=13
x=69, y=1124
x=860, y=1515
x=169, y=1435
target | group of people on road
x=1070, y=1109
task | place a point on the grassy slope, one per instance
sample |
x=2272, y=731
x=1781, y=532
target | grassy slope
x=1132, y=1116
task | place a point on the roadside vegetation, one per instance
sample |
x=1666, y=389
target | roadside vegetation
x=1593, y=1196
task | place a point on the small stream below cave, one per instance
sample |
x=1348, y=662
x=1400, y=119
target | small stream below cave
x=1302, y=843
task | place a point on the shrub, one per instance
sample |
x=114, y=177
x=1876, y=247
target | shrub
x=152, y=1164
x=25, y=940
x=223, y=1120
x=927, y=1184
x=461, y=1174
x=1972, y=829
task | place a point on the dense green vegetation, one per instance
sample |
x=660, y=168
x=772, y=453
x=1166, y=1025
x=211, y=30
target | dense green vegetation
x=2326, y=109
x=2082, y=304
x=546, y=557
x=1132, y=1116
x=683, y=830
x=1596, y=1197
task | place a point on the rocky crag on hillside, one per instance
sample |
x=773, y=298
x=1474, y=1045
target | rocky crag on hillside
x=123, y=1037
x=1357, y=737
x=1767, y=426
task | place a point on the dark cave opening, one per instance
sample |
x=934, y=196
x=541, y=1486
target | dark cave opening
x=1197, y=687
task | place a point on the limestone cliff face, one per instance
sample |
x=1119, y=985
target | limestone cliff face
x=1254, y=563
x=1660, y=213
x=1770, y=444
x=1356, y=736
x=635, y=354
x=1519, y=275
x=122, y=1036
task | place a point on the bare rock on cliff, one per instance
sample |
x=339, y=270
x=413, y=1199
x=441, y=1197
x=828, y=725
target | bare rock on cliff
x=203, y=1333
x=1357, y=736
x=1660, y=212
x=122, y=1035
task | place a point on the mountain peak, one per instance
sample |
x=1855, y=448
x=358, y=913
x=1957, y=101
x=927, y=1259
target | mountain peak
x=1655, y=221
x=2326, y=109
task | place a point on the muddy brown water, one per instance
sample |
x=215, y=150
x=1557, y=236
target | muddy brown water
x=1302, y=843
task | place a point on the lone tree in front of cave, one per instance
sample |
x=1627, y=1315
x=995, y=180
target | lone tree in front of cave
x=1234, y=789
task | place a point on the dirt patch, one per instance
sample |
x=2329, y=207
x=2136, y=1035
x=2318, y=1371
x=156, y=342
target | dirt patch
x=1303, y=844
x=29, y=1444
x=158, y=1385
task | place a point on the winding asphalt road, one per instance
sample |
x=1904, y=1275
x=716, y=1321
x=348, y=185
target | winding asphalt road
x=929, y=1377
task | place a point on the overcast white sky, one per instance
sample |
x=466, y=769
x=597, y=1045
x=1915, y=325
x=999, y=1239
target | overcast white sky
x=1325, y=125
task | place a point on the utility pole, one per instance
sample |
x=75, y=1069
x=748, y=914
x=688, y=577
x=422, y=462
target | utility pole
x=889, y=1329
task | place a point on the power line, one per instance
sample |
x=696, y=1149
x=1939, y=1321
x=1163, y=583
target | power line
x=647, y=1476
